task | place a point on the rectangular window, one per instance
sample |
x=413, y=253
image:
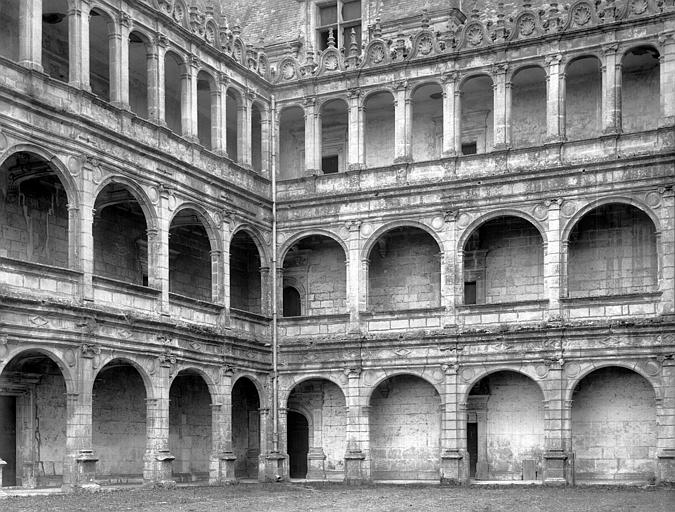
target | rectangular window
x=340, y=17
x=470, y=148
x=470, y=292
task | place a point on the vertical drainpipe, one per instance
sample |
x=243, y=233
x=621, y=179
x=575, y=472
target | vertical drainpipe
x=275, y=357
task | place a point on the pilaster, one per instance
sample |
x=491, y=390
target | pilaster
x=156, y=52
x=30, y=34
x=552, y=255
x=401, y=108
x=557, y=441
x=450, y=84
x=666, y=251
x=311, y=166
x=611, y=90
x=222, y=460
x=157, y=461
x=665, y=413
x=499, y=105
x=452, y=456
x=353, y=273
x=555, y=99
x=357, y=430
x=667, y=78
x=192, y=119
x=449, y=275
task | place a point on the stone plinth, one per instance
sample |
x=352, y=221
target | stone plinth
x=451, y=467
x=354, y=471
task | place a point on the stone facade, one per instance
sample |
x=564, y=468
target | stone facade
x=436, y=245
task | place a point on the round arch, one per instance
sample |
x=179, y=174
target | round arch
x=143, y=33
x=584, y=55
x=637, y=46
x=150, y=391
x=478, y=74
x=257, y=240
x=376, y=91
x=501, y=368
x=105, y=10
x=194, y=370
x=176, y=55
x=422, y=83
x=283, y=398
x=329, y=99
x=304, y=234
x=375, y=235
x=572, y=384
x=16, y=353
x=505, y=212
x=402, y=373
x=574, y=219
x=208, y=74
x=256, y=384
x=137, y=192
x=60, y=169
x=205, y=219
x=524, y=67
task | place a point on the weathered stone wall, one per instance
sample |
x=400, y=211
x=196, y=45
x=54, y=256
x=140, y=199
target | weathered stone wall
x=8, y=439
x=477, y=113
x=528, y=108
x=405, y=422
x=190, y=425
x=33, y=222
x=245, y=293
x=190, y=264
x=291, y=143
x=119, y=422
x=50, y=413
x=614, y=426
x=612, y=250
x=427, y=129
x=379, y=126
x=404, y=271
x=583, y=100
x=117, y=254
x=515, y=425
x=245, y=428
x=640, y=99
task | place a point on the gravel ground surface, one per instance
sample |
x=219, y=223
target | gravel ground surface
x=325, y=498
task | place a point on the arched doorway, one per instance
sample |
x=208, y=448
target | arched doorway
x=298, y=444
x=245, y=428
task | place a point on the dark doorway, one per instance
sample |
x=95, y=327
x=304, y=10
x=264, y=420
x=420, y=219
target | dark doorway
x=472, y=446
x=298, y=444
x=8, y=439
x=292, y=306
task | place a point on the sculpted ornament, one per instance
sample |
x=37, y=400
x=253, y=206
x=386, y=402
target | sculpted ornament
x=639, y=6
x=527, y=25
x=581, y=15
x=474, y=35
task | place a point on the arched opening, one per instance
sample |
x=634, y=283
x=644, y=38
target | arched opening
x=505, y=428
x=190, y=268
x=298, y=445
x=119, y=423
x=404, y=271
x=614, y=427
x=245, y=428
x=583, y=100
x=138, y=74
x=528, y=107
x=427, y=122
x=334, y=131
x=316, y=438
x=233, y=106
x=34, y=221
x=316, y=264
x=405, y=430
x=9, y=36
x=101, y=53
x=477, y=123
x=190, y=427
x=379, y=125
x=120, y=236
x=32, y=421
x=174, y=69
x=245, y=279
x=292, y=302
x=503, y=262
x=640, y=89
x=55, y=52
x=291, y=143
x=206, y=108
x=256, y=138
x=612, y=250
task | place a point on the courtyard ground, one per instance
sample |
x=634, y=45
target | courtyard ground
x=325, y=498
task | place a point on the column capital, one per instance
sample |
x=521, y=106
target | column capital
x=450, y=77
x=400, y=85
x=352, y=372
x=124, y=20
x=610, y=49
x=161, y=40
x=353, y=93
x=89, y=351
x=553, y=59
x=353, y=225
x=500, y=69
x=450, y=215
x=194, y=61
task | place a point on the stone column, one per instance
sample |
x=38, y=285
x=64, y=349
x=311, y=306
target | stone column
x=452, y=456
x=193, y=117
x=217, y=120
x=158, y=251
x=310, y=136
x=611, y=90
x=449, y=113
x=556, y=440
x=499, y=100
x=274, y=467
x=665, y=413
x=449, y=274
x=30, y=34
x=353, y=259
x=216, y=276
x=667, y=79
x=400, y=121
x=73, y=237
x=265, y=139
x=156, y=78
x=666, y=250
x=245, y=135
x=225, y=234
x=357, y=430
x=552, y=254
x=78, y=43
x=86, y=231
x=318, y=140
x=115, y=69
x=121, y=71
x=316, y=457
x=355, y=151
x=555, y=99
x=458, y=121
x=242, y=136
x=265, y=292
x=186, y=101
x=363, y=286
x=157, y=461
x=223, y=82
x=79, y=467
x=222, y=460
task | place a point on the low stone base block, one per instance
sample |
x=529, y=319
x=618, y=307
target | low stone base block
x=666, y=467
x=3, y=494
x=276, y=467
x=221, y=468
x=451, y=467
x=558, y=468
x=354, y=470
x=316, y=469
x=157, y=469
x=86, y=470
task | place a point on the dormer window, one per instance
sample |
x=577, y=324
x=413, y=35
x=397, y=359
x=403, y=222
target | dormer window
x=340, y=16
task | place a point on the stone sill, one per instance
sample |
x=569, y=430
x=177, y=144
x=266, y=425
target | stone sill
x=121, y=286
x=407, y=313
x=503, y=306
x=39, y=269
x=618, y=298
x=191, y=302
x=250, y=317
x=312, y=319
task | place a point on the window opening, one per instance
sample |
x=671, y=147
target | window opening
x=470, y=292
x=340, y=16
x=329, y=164
x=470, y=148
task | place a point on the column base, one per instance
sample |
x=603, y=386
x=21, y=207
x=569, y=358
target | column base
x=85, y=470
x=221, y=469
x=28, y=480
x=315, y=464
x=157, y=470
x=34, y=66
x=558, y=468
x=451, y=467
x=354, y=467
x=666, y=466
x=2, y=463
x=276, y=467
x=403, y=159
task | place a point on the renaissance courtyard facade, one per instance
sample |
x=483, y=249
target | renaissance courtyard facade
x=342, y=239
